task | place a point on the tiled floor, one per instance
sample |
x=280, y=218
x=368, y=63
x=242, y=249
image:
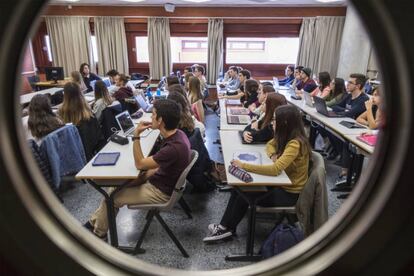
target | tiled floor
x=82, y=200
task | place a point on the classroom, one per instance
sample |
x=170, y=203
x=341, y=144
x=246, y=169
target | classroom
x=186, y=133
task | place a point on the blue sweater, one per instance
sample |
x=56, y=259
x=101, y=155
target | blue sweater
x=287, y=81
x=351, y=107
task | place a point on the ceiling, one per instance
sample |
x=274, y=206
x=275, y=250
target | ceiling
x=203, y=3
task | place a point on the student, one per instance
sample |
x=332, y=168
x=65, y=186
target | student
x=42, y=120
x=258, y=110
x=296, y=81
x=262, y=130
x=249, y=96
x=324, y=88
x=112, y=74
x=196, y=99
x=102, y=99
x=199, y=73
x=171, y=80
x=124, y=91
x=338, y=92
x=186, y=123
x=234, y=82
x=87, y=76
x=372, y=116
x=290, y=76
x=353, y=104
x=76, y=110
x=243, y=76
x=290, y=152
x=77, y=78
x=160, y=171
x=306, y=83
x=187, y=78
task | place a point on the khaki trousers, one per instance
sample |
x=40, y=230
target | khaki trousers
x=143, y=194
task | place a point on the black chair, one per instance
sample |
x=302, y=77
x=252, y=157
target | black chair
x=108, y=121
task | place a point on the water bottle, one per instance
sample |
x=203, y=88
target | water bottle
x=149, y=95
x=178, y=74
x=158, y=92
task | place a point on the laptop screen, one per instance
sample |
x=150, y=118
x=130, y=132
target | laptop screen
x=92, y=84
x=141, y=101
x=107, y=82
x=125, y=122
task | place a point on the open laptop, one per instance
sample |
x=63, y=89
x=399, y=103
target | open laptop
x=321, y=108
x=238, y=120
x=92, y=84
x=275, y=83
x=107, y=82
x=125, y=123
x=308, y=99
x=143, y=104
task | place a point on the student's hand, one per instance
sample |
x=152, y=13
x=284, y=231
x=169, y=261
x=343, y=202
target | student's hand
x=222, y=96
x=236, y=163
x=273, y=157
x=142, y=126
x=247, y=136
x=368, y=104
x=252, y=107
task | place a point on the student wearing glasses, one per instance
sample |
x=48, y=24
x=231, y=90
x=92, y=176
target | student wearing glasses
x=290, y=152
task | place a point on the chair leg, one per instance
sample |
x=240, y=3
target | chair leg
x=172, y=236
x=185, y=207
x=149, y=217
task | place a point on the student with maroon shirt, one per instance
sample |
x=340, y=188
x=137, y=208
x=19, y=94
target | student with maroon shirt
x=160, y=171
x=124, y=90
x=306, y=83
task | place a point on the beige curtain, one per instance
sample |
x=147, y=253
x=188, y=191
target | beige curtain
x=111, y=44
x=70, y=40
x=215, y=50
x=320, y=43
x=159, y=47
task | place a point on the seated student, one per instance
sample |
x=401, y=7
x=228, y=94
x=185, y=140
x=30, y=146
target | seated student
x=124, y=91
x=112, y=74
x=42, y=120
x=338, y=92
x=262, y=93
x=102, y=99
x=87, y=76
x=199, y=73
x=324, y=88
x=296, y=81
x=176, y=88
x=306, y=83
x=171, y=80
x=77, y=78
x=76, y=110
x=290, y=152
x=250, y=93
x=290, y=76
x=233, y=82
x=243, y=76
x=262, y=130
x=196, y=99
x=160, y=171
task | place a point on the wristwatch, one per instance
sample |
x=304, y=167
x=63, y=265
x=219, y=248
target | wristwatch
x=136, y=138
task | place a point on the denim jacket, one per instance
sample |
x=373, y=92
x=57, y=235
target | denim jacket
x=64, y=150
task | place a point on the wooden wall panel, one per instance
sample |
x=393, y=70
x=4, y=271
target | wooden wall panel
x=28, y=69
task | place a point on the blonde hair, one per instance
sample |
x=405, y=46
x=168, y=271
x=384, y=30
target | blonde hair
x=74, y=108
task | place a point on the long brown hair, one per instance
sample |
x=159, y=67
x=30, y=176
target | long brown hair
x=250, y=87
x=273, y=101
x=42, y=120
x=186, y=121
x=195, y=90
x=102, y=92
x=74, y=108
x=289, y=126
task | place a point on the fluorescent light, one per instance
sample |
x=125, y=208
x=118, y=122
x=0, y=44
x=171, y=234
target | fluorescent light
x=329, y=1
x=133, y=1
x=68, y=1
x=196, y=1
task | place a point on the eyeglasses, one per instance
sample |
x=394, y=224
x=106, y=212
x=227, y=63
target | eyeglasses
x=350, y=82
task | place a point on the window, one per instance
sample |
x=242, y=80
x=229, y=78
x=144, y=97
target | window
x=262, y=50
x=141, y=49
x=189, y=49
x=94, y=49
x=48, y=48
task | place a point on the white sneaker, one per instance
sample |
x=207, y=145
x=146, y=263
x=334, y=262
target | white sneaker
x=218, y=234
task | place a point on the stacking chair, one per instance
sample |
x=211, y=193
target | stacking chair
x=155, y=209
x=311, y=207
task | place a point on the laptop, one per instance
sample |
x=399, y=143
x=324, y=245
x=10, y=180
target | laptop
x=321, y=108
x=92, y=84
x=238, y=120
x=143, y=104
x=125, y=123
x=275, y=83
x=107, y=82
x=308, y=99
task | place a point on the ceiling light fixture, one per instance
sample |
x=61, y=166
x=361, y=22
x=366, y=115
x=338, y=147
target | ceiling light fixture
x=329, y=1
x=133, y=1
x=196, y=1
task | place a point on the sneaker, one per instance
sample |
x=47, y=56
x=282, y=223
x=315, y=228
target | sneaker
x=218, y=234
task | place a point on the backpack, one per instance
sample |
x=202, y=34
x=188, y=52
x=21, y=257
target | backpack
x=283, y=237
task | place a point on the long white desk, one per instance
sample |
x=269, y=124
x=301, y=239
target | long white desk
x=367, y=149
x=26, y=98
x=224, y=125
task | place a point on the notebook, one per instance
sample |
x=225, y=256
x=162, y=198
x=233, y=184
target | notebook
x=125, y=123
x=233, y=102
x=238, y=111
x=106, y=159
x=238, y=119
x=251, y=157
x=369, y=139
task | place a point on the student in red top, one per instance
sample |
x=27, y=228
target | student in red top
x=124, y=91
x=160, y=171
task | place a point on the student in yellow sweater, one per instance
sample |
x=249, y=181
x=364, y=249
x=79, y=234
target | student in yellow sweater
x=290, y=152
